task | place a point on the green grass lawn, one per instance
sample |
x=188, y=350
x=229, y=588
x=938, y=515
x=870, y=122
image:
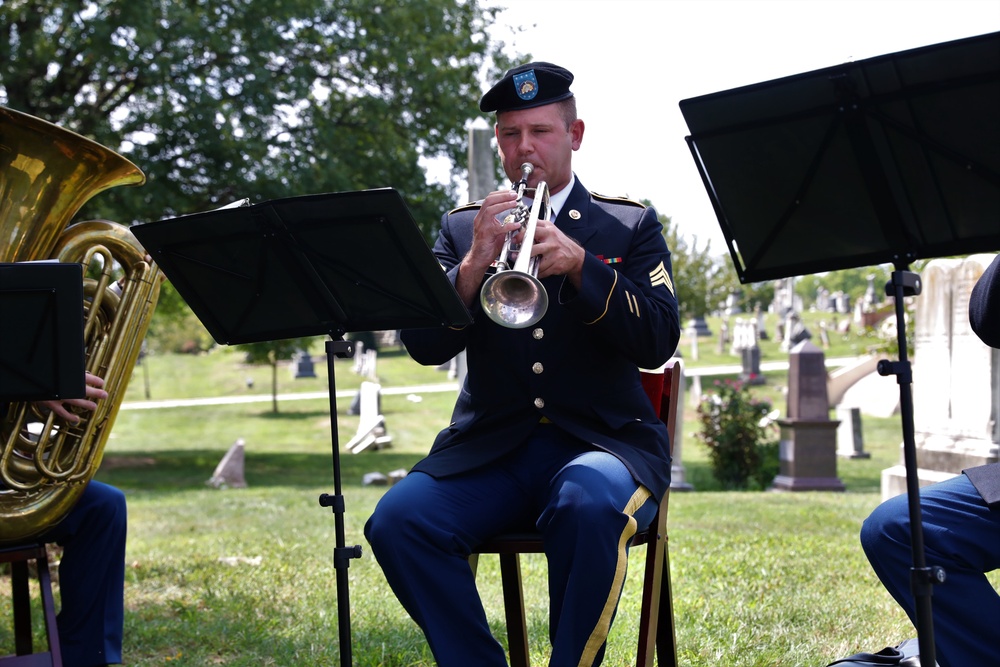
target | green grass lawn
x=245, y=576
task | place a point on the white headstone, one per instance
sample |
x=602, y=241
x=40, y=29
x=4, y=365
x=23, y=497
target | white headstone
x=229, y=472
x=955, y=378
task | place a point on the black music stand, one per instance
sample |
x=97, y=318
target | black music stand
x=41, y=340
x=885, y=160
x=313, y=265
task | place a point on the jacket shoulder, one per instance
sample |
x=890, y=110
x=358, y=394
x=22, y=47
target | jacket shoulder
x=471, y=206
x=616, y=200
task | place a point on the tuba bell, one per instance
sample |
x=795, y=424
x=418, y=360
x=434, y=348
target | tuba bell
x=46, y=174
x=513, y=296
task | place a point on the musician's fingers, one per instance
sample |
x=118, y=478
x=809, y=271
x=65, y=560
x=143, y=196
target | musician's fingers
x=61, y=408
x=95, y=388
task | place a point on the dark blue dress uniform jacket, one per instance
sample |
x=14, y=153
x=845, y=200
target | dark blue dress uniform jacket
x=984, y=317
x=578, y=367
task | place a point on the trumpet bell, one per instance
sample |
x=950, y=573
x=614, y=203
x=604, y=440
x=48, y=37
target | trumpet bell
x=514, y=299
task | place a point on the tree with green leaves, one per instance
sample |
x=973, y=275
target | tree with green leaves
x=272, y=352
x=228, y=99
x=216, y=101
x=697, y=273
x=852, y=282
x=704, y=280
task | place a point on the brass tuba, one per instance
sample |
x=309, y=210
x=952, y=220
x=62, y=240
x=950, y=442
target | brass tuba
x=46, y=174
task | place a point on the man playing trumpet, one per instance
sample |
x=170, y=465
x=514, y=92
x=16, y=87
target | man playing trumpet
x=552, y=428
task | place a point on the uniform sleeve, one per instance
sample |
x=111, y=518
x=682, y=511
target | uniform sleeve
x=632, y=303
x=984, y=305
x=440, y=344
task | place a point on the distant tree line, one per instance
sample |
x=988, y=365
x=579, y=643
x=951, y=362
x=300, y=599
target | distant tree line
x=231, y=99
x=267, y=100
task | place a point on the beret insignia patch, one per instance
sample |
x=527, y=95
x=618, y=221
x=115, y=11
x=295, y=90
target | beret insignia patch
x=526, y=85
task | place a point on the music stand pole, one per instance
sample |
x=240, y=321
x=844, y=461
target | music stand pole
x=342, y=554
x=922, y=578
x=312, y=265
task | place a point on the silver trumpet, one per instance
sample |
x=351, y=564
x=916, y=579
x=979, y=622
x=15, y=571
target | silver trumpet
x=514, y=297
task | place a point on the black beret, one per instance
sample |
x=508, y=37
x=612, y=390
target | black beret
x=527, y=86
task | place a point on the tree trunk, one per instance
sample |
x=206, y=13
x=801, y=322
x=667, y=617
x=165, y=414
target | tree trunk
x=274, y=385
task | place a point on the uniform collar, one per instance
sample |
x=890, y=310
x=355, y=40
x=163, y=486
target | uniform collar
x=557, y=200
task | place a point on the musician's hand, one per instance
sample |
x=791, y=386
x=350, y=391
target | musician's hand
x=63, y=409
x=561, y=255
x=489, y=230
x=487, y=240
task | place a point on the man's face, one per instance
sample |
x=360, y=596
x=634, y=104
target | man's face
x=538, y=136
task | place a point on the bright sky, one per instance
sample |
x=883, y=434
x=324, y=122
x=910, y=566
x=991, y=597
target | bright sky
x=634, y=60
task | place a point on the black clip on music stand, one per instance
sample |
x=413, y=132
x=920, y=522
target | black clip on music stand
x=884, y=160
x=41, y=340
x=308, y=266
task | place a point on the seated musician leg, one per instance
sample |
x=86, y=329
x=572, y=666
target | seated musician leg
x=421, y=534
x=92, y=577
x=594, y=510
x=961, y=535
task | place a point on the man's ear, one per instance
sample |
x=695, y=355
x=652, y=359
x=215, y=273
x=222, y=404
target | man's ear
x=576, y=132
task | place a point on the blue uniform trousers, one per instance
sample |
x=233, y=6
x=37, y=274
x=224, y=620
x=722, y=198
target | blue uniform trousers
x=92, y=577
x=962, y=535
x=584, y=502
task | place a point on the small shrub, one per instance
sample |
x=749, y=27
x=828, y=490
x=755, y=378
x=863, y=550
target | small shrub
x=740, y=436
x=770, y=465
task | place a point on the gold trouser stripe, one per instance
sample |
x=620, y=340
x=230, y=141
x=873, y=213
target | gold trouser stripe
x=606, y=301
x=603, y=627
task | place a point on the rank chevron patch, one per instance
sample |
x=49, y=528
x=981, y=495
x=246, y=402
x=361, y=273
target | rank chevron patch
x=659, y=276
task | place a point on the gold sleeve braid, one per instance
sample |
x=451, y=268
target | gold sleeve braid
x=606, y=301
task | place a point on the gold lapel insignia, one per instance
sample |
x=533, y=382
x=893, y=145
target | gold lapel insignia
x=575, y=214
x=660, y=276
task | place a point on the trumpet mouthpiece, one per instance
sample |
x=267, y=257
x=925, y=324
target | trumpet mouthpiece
x=526, y=169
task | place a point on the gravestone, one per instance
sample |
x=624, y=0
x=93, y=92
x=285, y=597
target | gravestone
x=795, y=332
x=359, y=357
x=750, y=366
x=374, y=479
x=761, y=325
x=698, y=326
x=749, y=352
x=303, y=366
x=743, y=336
x=956, y=400
x=808, y=445
x=678, y=473
x=824, y=335
x=229, y=473
x=871, y=298
x=785, y=299
x=723, y=337
x=841, y=303
x=850, y=437
x=823, y=300
x=371, y=424
x=732, y=304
